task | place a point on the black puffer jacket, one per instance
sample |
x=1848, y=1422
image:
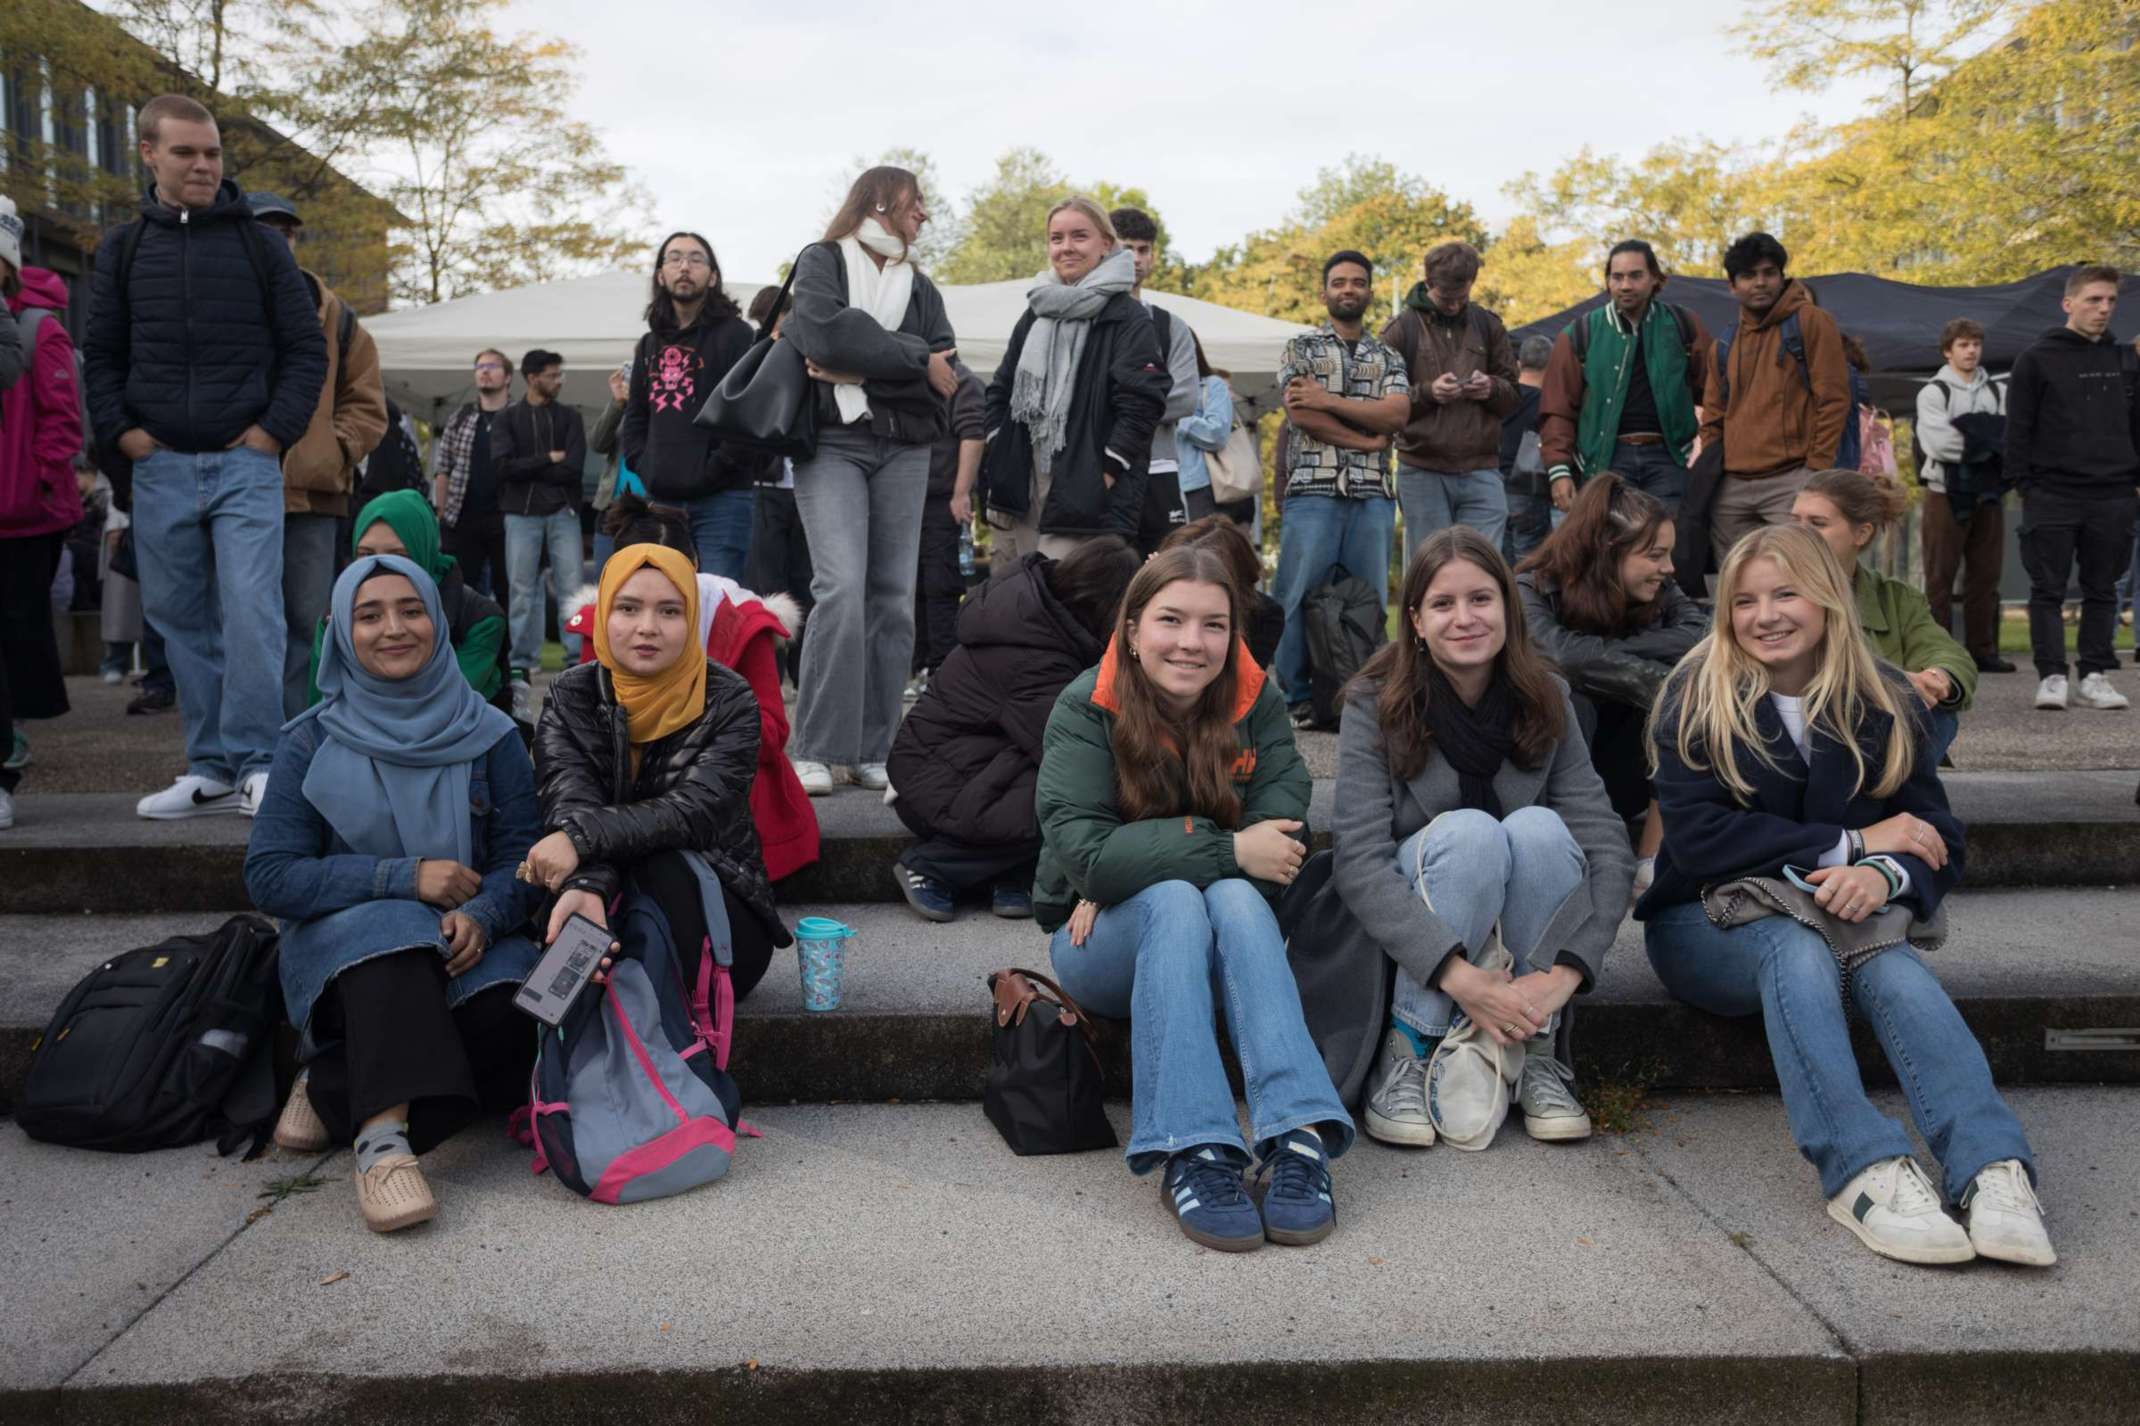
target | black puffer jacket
x=692, y=792
x=1121, y=393
x=966, y=758
x=216, y=331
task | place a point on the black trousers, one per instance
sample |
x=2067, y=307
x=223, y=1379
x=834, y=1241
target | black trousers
x=780, y=560
x=386, y=1037
x=674, y=886
x=938, y=586
x=1613, y=732
x=31, y=682
x=962, y=866
x=1162, y=513
x=477, y=542
x=2060, y=529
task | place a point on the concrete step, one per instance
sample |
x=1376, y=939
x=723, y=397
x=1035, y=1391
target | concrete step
x=2028, y=968
x=89, y=852
x=898, y=1264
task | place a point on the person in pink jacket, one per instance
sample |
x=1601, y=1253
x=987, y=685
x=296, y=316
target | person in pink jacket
x=40, y=434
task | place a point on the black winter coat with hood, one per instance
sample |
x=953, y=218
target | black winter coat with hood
x=215, y=331
x=692, y=792
x=967, y=756
x=1120, y=396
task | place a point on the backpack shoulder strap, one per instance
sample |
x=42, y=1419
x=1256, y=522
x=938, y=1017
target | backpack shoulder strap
x=1724, y=340
x=344, y=331
x=1163, y=320
x=1794, y=343
x=1684, y=320
x=1579, y=335
x=1946, y=392
x=249, y=239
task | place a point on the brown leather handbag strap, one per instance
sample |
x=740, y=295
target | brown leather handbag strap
x=1078, y=1017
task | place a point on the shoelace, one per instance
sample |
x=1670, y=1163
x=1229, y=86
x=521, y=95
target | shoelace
x=1912, y=1194
x=1545, y=1085
x=1211, y=1183
x=2005, y=1186
x=1299, y=1170
x=1406, y=1088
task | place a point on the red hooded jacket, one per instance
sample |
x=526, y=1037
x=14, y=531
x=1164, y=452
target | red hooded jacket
x=41, y=422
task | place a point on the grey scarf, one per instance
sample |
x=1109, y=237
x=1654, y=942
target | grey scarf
x=1055, y=344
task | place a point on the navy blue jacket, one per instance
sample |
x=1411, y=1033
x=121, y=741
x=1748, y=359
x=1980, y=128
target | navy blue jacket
x=197, y=348
x=1797, y=814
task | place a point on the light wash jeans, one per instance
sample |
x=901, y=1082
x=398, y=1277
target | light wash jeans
x=1778, y=969
x=208, y=541
x=860, y=499
x=1165, y=958
x=1475, y=871
x=1434, y=500
x=527, y=537
x=308, y=571
x=720, y=527
x=1317, y=533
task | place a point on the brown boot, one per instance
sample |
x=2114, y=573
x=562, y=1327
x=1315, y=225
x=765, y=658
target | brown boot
x=394, y=1195
x=300, y=1128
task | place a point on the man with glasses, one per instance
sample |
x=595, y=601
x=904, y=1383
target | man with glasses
x=464, y=483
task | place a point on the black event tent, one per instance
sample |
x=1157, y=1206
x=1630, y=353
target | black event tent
x=1899, y=322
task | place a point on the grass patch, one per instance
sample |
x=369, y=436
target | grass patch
x=1615, y=1103
x=282, y=1188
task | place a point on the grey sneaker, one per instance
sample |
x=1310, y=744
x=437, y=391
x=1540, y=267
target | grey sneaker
x=1397, y=1095
x=1469, y=1078
x=1546, y=1092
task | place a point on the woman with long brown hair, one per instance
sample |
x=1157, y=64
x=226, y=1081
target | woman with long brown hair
x=1477, y=873
x=1171, y=800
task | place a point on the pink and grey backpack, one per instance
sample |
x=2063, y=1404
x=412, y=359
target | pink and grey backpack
x=631, y=1098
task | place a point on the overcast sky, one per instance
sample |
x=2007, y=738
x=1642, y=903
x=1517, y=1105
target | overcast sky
x=744, y=120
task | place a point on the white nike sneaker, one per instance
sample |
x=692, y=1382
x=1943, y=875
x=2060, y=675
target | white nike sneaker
x=1895, y=1211
x=872, y=777
x=2005, y=1218
x=2051, y=693
x=2096, y=691
x=190, y=796
x=251, y=789
x=816, y=777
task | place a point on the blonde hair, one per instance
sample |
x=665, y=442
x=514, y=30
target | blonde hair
x=1090, y=209
x=1708, y=706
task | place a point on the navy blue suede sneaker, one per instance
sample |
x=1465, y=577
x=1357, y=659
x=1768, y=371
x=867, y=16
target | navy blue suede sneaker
x=929, y=898
x=1294, y=1182
x=1012, y=903
x=1202, y=1188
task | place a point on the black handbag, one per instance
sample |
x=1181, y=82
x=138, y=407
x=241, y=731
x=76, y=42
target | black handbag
x=1045, y=1094
x=767, y=400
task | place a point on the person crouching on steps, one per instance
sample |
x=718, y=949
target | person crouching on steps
x=1784, y=755
x=1477, y=873
x=395, y=814
x=1170, y=799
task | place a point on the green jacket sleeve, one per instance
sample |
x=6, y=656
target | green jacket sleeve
x=1926, y=645
x=1281, y=785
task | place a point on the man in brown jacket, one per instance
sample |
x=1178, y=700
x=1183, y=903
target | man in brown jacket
x=1463, y=376
x=1777, y=394
x=319, y=472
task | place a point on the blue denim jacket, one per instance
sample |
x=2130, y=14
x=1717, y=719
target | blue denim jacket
x=1205, y=430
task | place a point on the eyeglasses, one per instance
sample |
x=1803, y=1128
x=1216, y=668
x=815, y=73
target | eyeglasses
x=490, y=366
x=686, y=259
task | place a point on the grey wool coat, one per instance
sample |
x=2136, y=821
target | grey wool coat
x=1353, y=916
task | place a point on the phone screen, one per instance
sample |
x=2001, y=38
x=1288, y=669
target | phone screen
x=558, y=978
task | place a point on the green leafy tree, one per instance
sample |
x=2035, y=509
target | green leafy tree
x=1809, y=44
x=1004, y=234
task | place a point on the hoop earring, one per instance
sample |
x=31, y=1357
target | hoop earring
x=881, y=208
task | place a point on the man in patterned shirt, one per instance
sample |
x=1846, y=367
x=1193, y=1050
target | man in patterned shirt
x=1345, y=395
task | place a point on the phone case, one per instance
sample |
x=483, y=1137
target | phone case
x=555, y=984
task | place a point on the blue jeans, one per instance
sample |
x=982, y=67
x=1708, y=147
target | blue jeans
x=308, y=571
x=1786, y=973
x=1317, y=533
x=1165, y=958
x=1652, y=469
x=1530, y=519
x=720, y=527
x=1434, y=500
x=1944, y=724
x=208, y=542
x=527, y=537
x=1476, y=872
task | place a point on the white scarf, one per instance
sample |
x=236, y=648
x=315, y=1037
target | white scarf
x=1055, y=345
x=883, y=293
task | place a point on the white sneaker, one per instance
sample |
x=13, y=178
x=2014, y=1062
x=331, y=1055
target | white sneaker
x=1469, y=1078
x=816, y=777
x=1551, y=1113
x=2096, y=692
x=872, y=777
x=1895, y=1211
x=252, y=789
x=2051, y=693
x=190, y=796
x=2005, y=1218
x=1397, y=1097
x=1645, y=878
x=7, y=810
x=112, y=676
x=523, y=700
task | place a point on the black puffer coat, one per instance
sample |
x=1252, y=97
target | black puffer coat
x=692, y=792
x=215, y=331
x=966, y=758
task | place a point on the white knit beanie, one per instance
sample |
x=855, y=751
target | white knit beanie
x=10, y=233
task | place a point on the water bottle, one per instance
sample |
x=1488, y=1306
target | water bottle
x=965, y=552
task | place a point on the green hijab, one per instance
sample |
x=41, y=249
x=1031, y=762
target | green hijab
x=409, y=516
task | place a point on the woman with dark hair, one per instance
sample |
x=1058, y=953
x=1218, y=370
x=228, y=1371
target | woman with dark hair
x=873, y=330
x=1477, y=873
x=1170, y=798
x=695, y=334
x=1848, y=510
x=967, y=755
x=1262, y=619
x=1602, y=604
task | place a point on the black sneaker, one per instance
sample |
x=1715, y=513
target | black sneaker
x=1012, y=903
x=1994, y=664
x=1202, y=1188
x=153, y=700
x=1303, y=716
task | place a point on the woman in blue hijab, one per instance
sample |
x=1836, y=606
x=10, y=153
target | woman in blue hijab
x=398, y=808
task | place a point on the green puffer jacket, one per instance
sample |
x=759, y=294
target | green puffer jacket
x=1899, y=625
x=1088, y=851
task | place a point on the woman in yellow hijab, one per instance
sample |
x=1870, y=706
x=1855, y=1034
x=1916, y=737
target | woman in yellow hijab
x=647, y=754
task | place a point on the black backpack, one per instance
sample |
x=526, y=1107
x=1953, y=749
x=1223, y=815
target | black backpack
x=394, y=463
x=1344, y=626
x=162, y=1047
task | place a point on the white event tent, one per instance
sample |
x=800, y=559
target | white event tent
x=426, y=352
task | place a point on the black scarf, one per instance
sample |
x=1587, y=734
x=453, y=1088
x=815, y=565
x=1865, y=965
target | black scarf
x=1475, y=740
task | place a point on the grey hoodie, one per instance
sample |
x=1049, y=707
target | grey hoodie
x=1936, y=411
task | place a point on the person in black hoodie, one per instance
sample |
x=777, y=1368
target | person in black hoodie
x=203, y=362
x=2073, y=450
x=695, y=335
x=539, y=450
x=1079, y=394
x=968, y=755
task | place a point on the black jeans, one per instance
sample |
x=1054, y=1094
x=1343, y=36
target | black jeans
x=2059, y=529
x=477, y=542
x=938, y=586
x=386, y=1037
x=31, y=683
x=962, y=866
x=1162, y=514
x=780, y=560
x=667, y=878
x=1613, y=732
